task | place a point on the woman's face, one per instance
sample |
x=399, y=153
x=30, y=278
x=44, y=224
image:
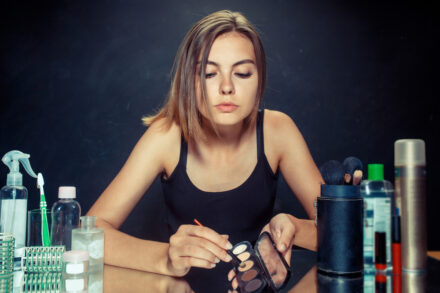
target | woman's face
x=231, y=80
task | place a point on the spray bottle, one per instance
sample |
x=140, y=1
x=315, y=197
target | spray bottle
x=13, y=198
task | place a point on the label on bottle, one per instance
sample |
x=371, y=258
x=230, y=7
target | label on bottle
x=377, y=218
x=74, y=268
x=13, y=219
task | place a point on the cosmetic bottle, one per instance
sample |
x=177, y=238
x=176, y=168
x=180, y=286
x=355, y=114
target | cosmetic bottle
x=65, y=216
x=90, y=238
x=410, y=182
x=13, y=199
x=377, y=194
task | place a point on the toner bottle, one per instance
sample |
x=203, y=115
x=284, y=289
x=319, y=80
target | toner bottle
x=377, y=194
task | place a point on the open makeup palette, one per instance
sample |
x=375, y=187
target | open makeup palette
x=260, y=268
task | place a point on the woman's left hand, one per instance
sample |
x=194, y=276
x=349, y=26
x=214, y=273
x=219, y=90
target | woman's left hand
x=282, y=230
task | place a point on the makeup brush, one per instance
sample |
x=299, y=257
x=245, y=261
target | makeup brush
x=332, y=172
x=235, y=259
x=353, y=171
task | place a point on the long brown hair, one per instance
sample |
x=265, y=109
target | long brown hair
x=181, y=103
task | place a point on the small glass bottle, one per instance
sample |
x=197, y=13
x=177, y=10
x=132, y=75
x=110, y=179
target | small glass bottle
x=65, y=216
x=75, y=270
x=90, y=238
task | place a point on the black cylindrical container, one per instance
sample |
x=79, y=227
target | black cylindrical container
x=340, y=230
x=340, y=284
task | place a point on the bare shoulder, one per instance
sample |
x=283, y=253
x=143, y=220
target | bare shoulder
x=159, y=147
x=279, y=128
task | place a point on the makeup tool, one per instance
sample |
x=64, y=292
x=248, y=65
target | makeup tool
x=235, y=260
x=353, y=171
x=260, y=267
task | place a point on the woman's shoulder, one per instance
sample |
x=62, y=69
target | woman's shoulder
x=162, y=137
x=280, y=131
x=277, y=122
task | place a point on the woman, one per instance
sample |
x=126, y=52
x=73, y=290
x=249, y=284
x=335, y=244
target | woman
x=207, y=144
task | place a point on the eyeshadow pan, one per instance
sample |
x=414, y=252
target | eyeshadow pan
x=244, y=266
x=239, y=249
x=249, y=275
x=244, y=256
x=253, y=285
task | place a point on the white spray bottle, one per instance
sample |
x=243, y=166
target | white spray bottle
x=13, y=198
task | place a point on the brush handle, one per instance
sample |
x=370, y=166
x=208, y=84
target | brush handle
x=45, y=238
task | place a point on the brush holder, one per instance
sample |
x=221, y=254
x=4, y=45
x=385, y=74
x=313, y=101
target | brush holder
x=340, y=230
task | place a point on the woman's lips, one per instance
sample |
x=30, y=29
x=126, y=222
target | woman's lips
x=226, y=107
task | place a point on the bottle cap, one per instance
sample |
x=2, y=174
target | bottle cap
x=67, y=192
x=409, y=152
x=375, y=172
x=76, y=256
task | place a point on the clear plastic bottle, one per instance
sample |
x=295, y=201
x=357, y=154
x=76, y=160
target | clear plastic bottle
x=13, y=199
x=377, y=194
x=66, y=213
x=90, y=238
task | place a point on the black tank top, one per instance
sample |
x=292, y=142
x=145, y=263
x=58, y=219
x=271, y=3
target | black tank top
x=240, y=212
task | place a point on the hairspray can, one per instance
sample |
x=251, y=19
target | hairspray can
x=410, y=196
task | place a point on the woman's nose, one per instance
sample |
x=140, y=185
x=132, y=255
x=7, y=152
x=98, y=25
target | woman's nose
x=226, y=86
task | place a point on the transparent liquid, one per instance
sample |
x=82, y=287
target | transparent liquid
x=91, y=240
x=66, y=214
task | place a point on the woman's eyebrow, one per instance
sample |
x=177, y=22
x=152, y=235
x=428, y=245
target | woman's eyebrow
x=244, y=61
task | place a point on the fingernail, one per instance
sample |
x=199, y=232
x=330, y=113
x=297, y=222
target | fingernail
x=228, y=245
x=217, y=260
x=282, y=247
x=213, y=265
x=228, y=258
x=229, y=278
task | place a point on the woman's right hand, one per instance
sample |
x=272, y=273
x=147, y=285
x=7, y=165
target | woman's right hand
x=196, y=246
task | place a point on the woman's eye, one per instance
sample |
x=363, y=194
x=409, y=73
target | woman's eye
x=209, y=75
x=243, y=75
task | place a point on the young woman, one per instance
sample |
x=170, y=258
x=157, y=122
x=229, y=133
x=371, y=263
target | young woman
x=218, y=156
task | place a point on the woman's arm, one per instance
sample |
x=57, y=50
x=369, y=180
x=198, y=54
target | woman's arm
x=287, y=149
x=121, y=196
x=157, y=151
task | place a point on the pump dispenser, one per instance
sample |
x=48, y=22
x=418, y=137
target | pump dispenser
x=13, y=197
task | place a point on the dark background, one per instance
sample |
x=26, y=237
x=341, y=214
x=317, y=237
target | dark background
x=77, y=76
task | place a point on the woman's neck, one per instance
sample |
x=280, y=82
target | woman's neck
x=227, y=137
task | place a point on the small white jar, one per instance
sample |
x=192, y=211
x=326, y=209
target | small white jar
x=75, y=270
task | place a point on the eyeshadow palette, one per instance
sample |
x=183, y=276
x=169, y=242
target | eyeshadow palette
x=259, y=268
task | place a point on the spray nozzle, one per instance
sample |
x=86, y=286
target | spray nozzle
x=13, y=159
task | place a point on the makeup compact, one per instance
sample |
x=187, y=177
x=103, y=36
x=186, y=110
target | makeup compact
x=259, y=268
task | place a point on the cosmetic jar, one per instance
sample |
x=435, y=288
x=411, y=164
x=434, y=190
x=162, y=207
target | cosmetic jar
x=75, y=270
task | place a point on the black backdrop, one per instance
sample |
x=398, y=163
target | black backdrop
x=77, y=76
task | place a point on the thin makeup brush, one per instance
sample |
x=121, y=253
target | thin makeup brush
x=235, y=259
